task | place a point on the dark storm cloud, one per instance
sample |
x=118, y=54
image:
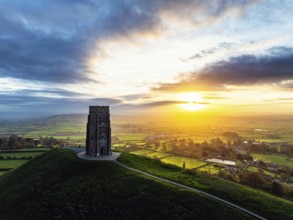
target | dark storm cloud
x=27, y=102
x=273, y=68
x=50, y=40
x=59, y=92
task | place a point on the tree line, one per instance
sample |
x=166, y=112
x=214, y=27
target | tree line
x=16, y=142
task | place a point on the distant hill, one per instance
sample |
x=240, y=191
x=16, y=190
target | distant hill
x=74, y=118
x=67, y=118
x=57, y=185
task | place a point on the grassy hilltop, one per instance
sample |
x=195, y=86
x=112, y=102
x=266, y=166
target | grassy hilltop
x=57, y=185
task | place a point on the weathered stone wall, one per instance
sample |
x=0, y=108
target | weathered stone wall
x=98, y=137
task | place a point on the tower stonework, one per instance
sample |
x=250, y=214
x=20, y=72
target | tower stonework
x=98, y=134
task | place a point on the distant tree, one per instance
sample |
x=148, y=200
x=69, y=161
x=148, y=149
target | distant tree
x=17, y=144
x=183, y=165
x=261, y=171
x=29, y=140
x=253, y=179
x=277, y=189
x=239, y=157
x=230, y=134
x=204, y=154
x=36, y=142
x=248, y=157
x=12, y=140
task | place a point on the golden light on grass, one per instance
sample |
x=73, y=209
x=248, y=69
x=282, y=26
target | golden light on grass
x=193, y=101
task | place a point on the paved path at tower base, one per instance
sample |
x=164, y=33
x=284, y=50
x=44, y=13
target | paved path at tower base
x=83, y=156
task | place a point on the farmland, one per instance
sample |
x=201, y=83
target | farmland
x=73, y=127
x=185, y=144
x=279, y=159
x=15, y=158
x=255, y=169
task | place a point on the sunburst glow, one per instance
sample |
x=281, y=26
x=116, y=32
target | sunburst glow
x=192, y=106
x=193, y=101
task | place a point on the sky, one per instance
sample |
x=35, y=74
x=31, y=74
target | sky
x=146, y=56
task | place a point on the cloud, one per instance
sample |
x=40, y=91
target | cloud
x=31, y=101
x=165, y=103
x=274, y=67
x=278, y=100
x=134, y=97
x=214, y=97
x=207, y=52
x=50, y=40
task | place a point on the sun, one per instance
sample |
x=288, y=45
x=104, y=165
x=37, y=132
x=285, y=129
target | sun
x=193, y=101
x=192, y=106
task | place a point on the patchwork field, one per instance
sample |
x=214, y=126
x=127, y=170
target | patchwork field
x=256, y=169
x=142, y=152
x=279, y=159
x=131, y=136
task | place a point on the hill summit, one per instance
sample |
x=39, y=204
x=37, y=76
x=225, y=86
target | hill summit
x=57, y=185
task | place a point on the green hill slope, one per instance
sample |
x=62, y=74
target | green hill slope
x=260, y=202
x=57, y=185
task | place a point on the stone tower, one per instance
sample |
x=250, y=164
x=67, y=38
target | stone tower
x=98, y=134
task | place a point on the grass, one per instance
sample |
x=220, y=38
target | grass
x=210, y=168
x=20, y=154
x=33, y=152
x=178, y=161
x=266, y=172
x=169, y=159
x=270, y=140
x=263, y=203
x=158, y=155
x=2, y=172
x=35, y=149
x=279, y=159
x=11, y=163
x=141, y=152
x=57, y=185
